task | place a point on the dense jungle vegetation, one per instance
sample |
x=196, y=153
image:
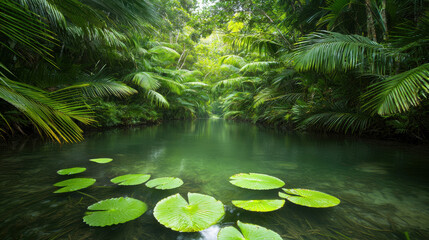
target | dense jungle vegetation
x=345, y=66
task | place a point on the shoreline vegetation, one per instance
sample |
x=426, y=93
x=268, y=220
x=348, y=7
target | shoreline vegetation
x=333, y=67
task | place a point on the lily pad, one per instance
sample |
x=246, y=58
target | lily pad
x=309, y=198
x=74, y=184
x=131, y=179
x=200, y=213
x=71, y=171
x=256, y=181
x=114, y=211
x=259, y=205
x=101, y=160
x=248, y=232
x=165, y=183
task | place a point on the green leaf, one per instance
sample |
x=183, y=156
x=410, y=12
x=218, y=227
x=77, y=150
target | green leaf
x=114, y=211
x=165, y=183
x=256, y=181
x=74, y=184
x=131, y=179
x=259, y=205
x=71, y=171
x=200, y=213
x=248, y=232
x=101, y=160
x=309, y=198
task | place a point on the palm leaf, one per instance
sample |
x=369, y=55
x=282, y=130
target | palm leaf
x=235, y=82
x=158, y=98
x=233, y=60
x=330, y=51
x=398, y=93
x=24, y=27
x=52, y=114
x=259, y=67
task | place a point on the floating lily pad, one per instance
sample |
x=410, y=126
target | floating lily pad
x=309, y=198
x=259, y=205
x=131, y=179
x=114, y=211
x=101, y=160
x=74, y=184
x=200, y=213
x=71, y=171
x=165, y=183
x=248, y=232
x=256, y=181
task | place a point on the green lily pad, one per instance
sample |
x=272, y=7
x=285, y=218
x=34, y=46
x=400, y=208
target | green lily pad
x=200, y=213
x=165, y=183
x=309, y=198
x=259, y=205
x=256, y=181
x=74, y=184
x=71, y=171
x=131, y=179
x=248, y=232
x=101, y=160
x=114, y=211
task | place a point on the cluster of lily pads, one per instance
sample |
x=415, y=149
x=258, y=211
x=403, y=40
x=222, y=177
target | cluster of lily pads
x=200, y=211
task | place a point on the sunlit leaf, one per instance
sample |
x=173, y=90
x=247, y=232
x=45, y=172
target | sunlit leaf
x=131, y=179
x=309, y=198
x=71, y=171
x=259, y=205
x=248, y=232
x=101, y=160
x=201, y=212
x=114, y=211
x=165, y=183
x=74, y=184
x=256, y=181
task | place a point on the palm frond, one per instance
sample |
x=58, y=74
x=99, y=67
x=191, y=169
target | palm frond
x=232, y=114
x=255, y=67
x=157, y=97
x=235, y=82
x=145, y=80
x=233, y=60
x=330, y=51
x=398, y=93
x=253, y=42
x=343, y=122
x=165, y=51
x=52, y=114
x=24, y=27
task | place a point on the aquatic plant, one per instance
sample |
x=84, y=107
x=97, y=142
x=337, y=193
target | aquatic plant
x=256, y=181
x=165, y=183
x=309, y=198
x=248, y=232
x=101, y=160
x=131, y=179
x=71, y=171
x=114, y=211
x=259, y=205
x=201, y=212
x=74, y=184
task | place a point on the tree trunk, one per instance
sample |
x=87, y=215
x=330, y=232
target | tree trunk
x=384, y=19
x=370, y=21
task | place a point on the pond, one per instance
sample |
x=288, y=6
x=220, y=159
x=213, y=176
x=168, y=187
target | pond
x=383, y=186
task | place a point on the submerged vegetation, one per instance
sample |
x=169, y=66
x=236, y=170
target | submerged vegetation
x=345, y=66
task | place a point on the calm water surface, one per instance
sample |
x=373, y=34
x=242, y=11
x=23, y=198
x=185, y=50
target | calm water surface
x=383, y=186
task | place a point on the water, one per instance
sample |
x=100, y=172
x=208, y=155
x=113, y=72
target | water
x=383, y=185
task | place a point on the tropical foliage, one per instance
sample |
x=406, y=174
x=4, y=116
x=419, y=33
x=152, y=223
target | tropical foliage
x=345, y=66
